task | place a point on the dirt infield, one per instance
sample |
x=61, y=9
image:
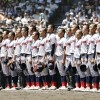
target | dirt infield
x=48, y=95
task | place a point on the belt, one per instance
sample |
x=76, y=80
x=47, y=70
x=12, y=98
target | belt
x=98, y=53
x=9, y=57
x=48, y=53
x=23, y=54
x=34, y=57
x=83, y=54
x=28, y=54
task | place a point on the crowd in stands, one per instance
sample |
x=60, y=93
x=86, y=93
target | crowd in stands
x=15, y=13
x=83, y=12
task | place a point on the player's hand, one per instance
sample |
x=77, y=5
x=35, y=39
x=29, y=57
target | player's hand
x=30, y=61
x=13, y=60
x=43, y=61
x=18, y=59
x=79, y=62
x=86, y=60
x=8, y=64
x=63, y=62
x=36, y=61
x=51, y=59
x=74, y=62
x=93, y=60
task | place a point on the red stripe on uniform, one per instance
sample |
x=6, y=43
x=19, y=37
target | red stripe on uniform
x=3, y=45
x=17, y=44
x=77, y=46
x=72, y=41
x=83, y=41
x=34, y=47
x=9, y=46
x=47, y=41
x=91, y=42
x=67, y=43
x=41, y=45
x=97, y=41
x=58, y=44
x=29, y=41
x=24, y=43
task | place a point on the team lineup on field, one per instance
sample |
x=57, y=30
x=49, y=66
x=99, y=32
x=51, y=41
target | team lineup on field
x=32, y=60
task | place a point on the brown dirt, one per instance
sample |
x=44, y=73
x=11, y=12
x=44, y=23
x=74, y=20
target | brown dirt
x=48, y=95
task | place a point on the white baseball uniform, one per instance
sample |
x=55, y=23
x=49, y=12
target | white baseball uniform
x=23, y=51
x=91, y=50
x=41, y=52
x=59, y=56
x=4, y=44
x=50, y=40
x=77, y=54
x=18, y=51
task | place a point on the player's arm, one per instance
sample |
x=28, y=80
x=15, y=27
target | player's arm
x=53, y=41
x=14, y=56
x=64, y=56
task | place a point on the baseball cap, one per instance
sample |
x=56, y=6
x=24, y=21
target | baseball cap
x=67, y=14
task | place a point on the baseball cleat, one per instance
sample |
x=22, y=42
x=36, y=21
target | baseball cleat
x=94, y=90
x=18, y=88
x=86, y=89
x=76, y=89
x=98, y=90
x=37, y=88
x=32, y=87
x=13, y=88
x=52, y=88
x=1, y=88
x=82, y=89
x=62, y=88
x=26, y=88
x=44, y=88
x=7, y=88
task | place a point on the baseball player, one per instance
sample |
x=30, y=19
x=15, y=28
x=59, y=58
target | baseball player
x=98, y=48
x=50, y=50
x=11, y=59
x=6, y=70
x=31, y=75
x=92, y=56
x=41, y=56
x=84, y=59
x=2, y=82
x=60, y=57
x=74, y=28
x=35, y=48
x=17, y=55
x=68, y=55
x=24, y=32
x=77, y=60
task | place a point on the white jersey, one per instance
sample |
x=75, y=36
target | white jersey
x=84, y=45
x=24, y=45
x=98, y=45
x=50, y=39
x=42, y=47
x=35, y=47
x=68, y=46
x=4, y=47
x=92, y=43
x=72, y=44
x=11, y=48
x=0, y=48
x=18, y=46
x=77, y=48
x=60, y=47
x=29, y=44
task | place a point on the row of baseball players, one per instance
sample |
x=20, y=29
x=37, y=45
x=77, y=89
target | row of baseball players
x=81, y=47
